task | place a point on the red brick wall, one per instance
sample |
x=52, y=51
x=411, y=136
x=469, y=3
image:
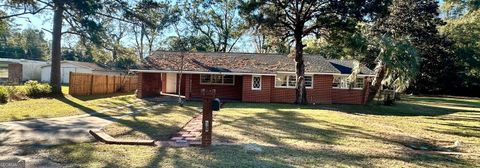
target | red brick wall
x=322, y=89
x=351, y=96
x=320, y=93
x=149, y=84
x=222, y=91
x=263, y=95
x=187, y=86
x=347, y=96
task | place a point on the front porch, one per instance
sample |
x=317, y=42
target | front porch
x=189, y=86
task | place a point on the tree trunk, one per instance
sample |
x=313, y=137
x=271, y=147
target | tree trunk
x=301, y=92
x=55, y=76
x=377, y=80
x=142, y=34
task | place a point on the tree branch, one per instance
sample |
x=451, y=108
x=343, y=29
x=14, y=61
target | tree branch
x=25, y=12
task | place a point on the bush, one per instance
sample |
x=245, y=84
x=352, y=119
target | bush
x=3, y=95
x=37, y=90
x=16, y=93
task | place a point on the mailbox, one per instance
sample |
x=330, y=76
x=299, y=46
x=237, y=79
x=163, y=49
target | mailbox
x=216, y=104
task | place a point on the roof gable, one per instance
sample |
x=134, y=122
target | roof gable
x=346, y=66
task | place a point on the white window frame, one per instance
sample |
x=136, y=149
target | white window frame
x=257, y=76
x=4, y=69
x=346, y=85
x=288, y=78
x=211, y=78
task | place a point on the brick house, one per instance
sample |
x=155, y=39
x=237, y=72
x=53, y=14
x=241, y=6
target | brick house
x=250, y=77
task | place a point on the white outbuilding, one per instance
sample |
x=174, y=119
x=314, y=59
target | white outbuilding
x=75, y=66
x=28, y=69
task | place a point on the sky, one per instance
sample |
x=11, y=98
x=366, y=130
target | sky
x=43, y=22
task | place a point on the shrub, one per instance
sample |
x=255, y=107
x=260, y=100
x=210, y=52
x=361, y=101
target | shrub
x=37, y=90
x=3, y=95
x=16, y=93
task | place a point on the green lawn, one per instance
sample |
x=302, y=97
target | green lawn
x=158, y=124
x=299, y=136
x=65, y=106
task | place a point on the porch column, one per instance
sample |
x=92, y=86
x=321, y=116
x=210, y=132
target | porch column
x=149, y=84
x=188, y=84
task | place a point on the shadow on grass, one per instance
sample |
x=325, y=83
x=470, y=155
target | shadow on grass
x=460, y=102
x=279, y=123
x=94, y=97
x=402, y=108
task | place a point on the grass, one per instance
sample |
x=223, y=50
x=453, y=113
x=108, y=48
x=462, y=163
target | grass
x=65, y=106
x=158, y=124
x=299, y=136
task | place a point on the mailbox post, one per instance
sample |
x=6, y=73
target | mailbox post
x=207, y=117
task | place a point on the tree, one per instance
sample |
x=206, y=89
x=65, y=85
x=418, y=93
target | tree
x=413, y=23
x=396, y=63
x=218, y=20
x=188, y=43
x=296, y=19
x=159, y=15
x=32, y=42
x=4, y=29
x=81, y=17
x=419, y=20
x=461, y=30
x=458, y=8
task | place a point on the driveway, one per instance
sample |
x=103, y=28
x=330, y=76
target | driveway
x=22, y=139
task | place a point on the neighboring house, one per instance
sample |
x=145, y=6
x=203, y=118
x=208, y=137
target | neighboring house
x=250, y=77
x=74, y=66
x=20, y=70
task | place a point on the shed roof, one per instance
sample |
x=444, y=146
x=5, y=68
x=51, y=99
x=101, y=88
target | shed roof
x=88, y=65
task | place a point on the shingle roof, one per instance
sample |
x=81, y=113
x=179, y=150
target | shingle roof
x=233, y=62
x=346, y=66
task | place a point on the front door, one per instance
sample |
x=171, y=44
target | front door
x=171, y=82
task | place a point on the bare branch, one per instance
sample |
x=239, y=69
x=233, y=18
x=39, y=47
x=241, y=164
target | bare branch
x=25, y=12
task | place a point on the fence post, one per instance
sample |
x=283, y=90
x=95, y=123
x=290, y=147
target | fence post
x=106, y=84
x=91, y=84
x=70, y=83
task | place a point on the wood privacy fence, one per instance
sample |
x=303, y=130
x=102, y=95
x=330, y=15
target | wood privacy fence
x=82, y=84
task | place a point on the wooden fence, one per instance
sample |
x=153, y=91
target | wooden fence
x=82, y=84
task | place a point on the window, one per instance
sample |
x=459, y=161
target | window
x=205, y=78
x=228, y=79
x=3, y=70
x=256, y=83
x=359, y=83
x=281, y=80
x=217, y=79
x=341, y=82
x=290, y=81
x=308, y=81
